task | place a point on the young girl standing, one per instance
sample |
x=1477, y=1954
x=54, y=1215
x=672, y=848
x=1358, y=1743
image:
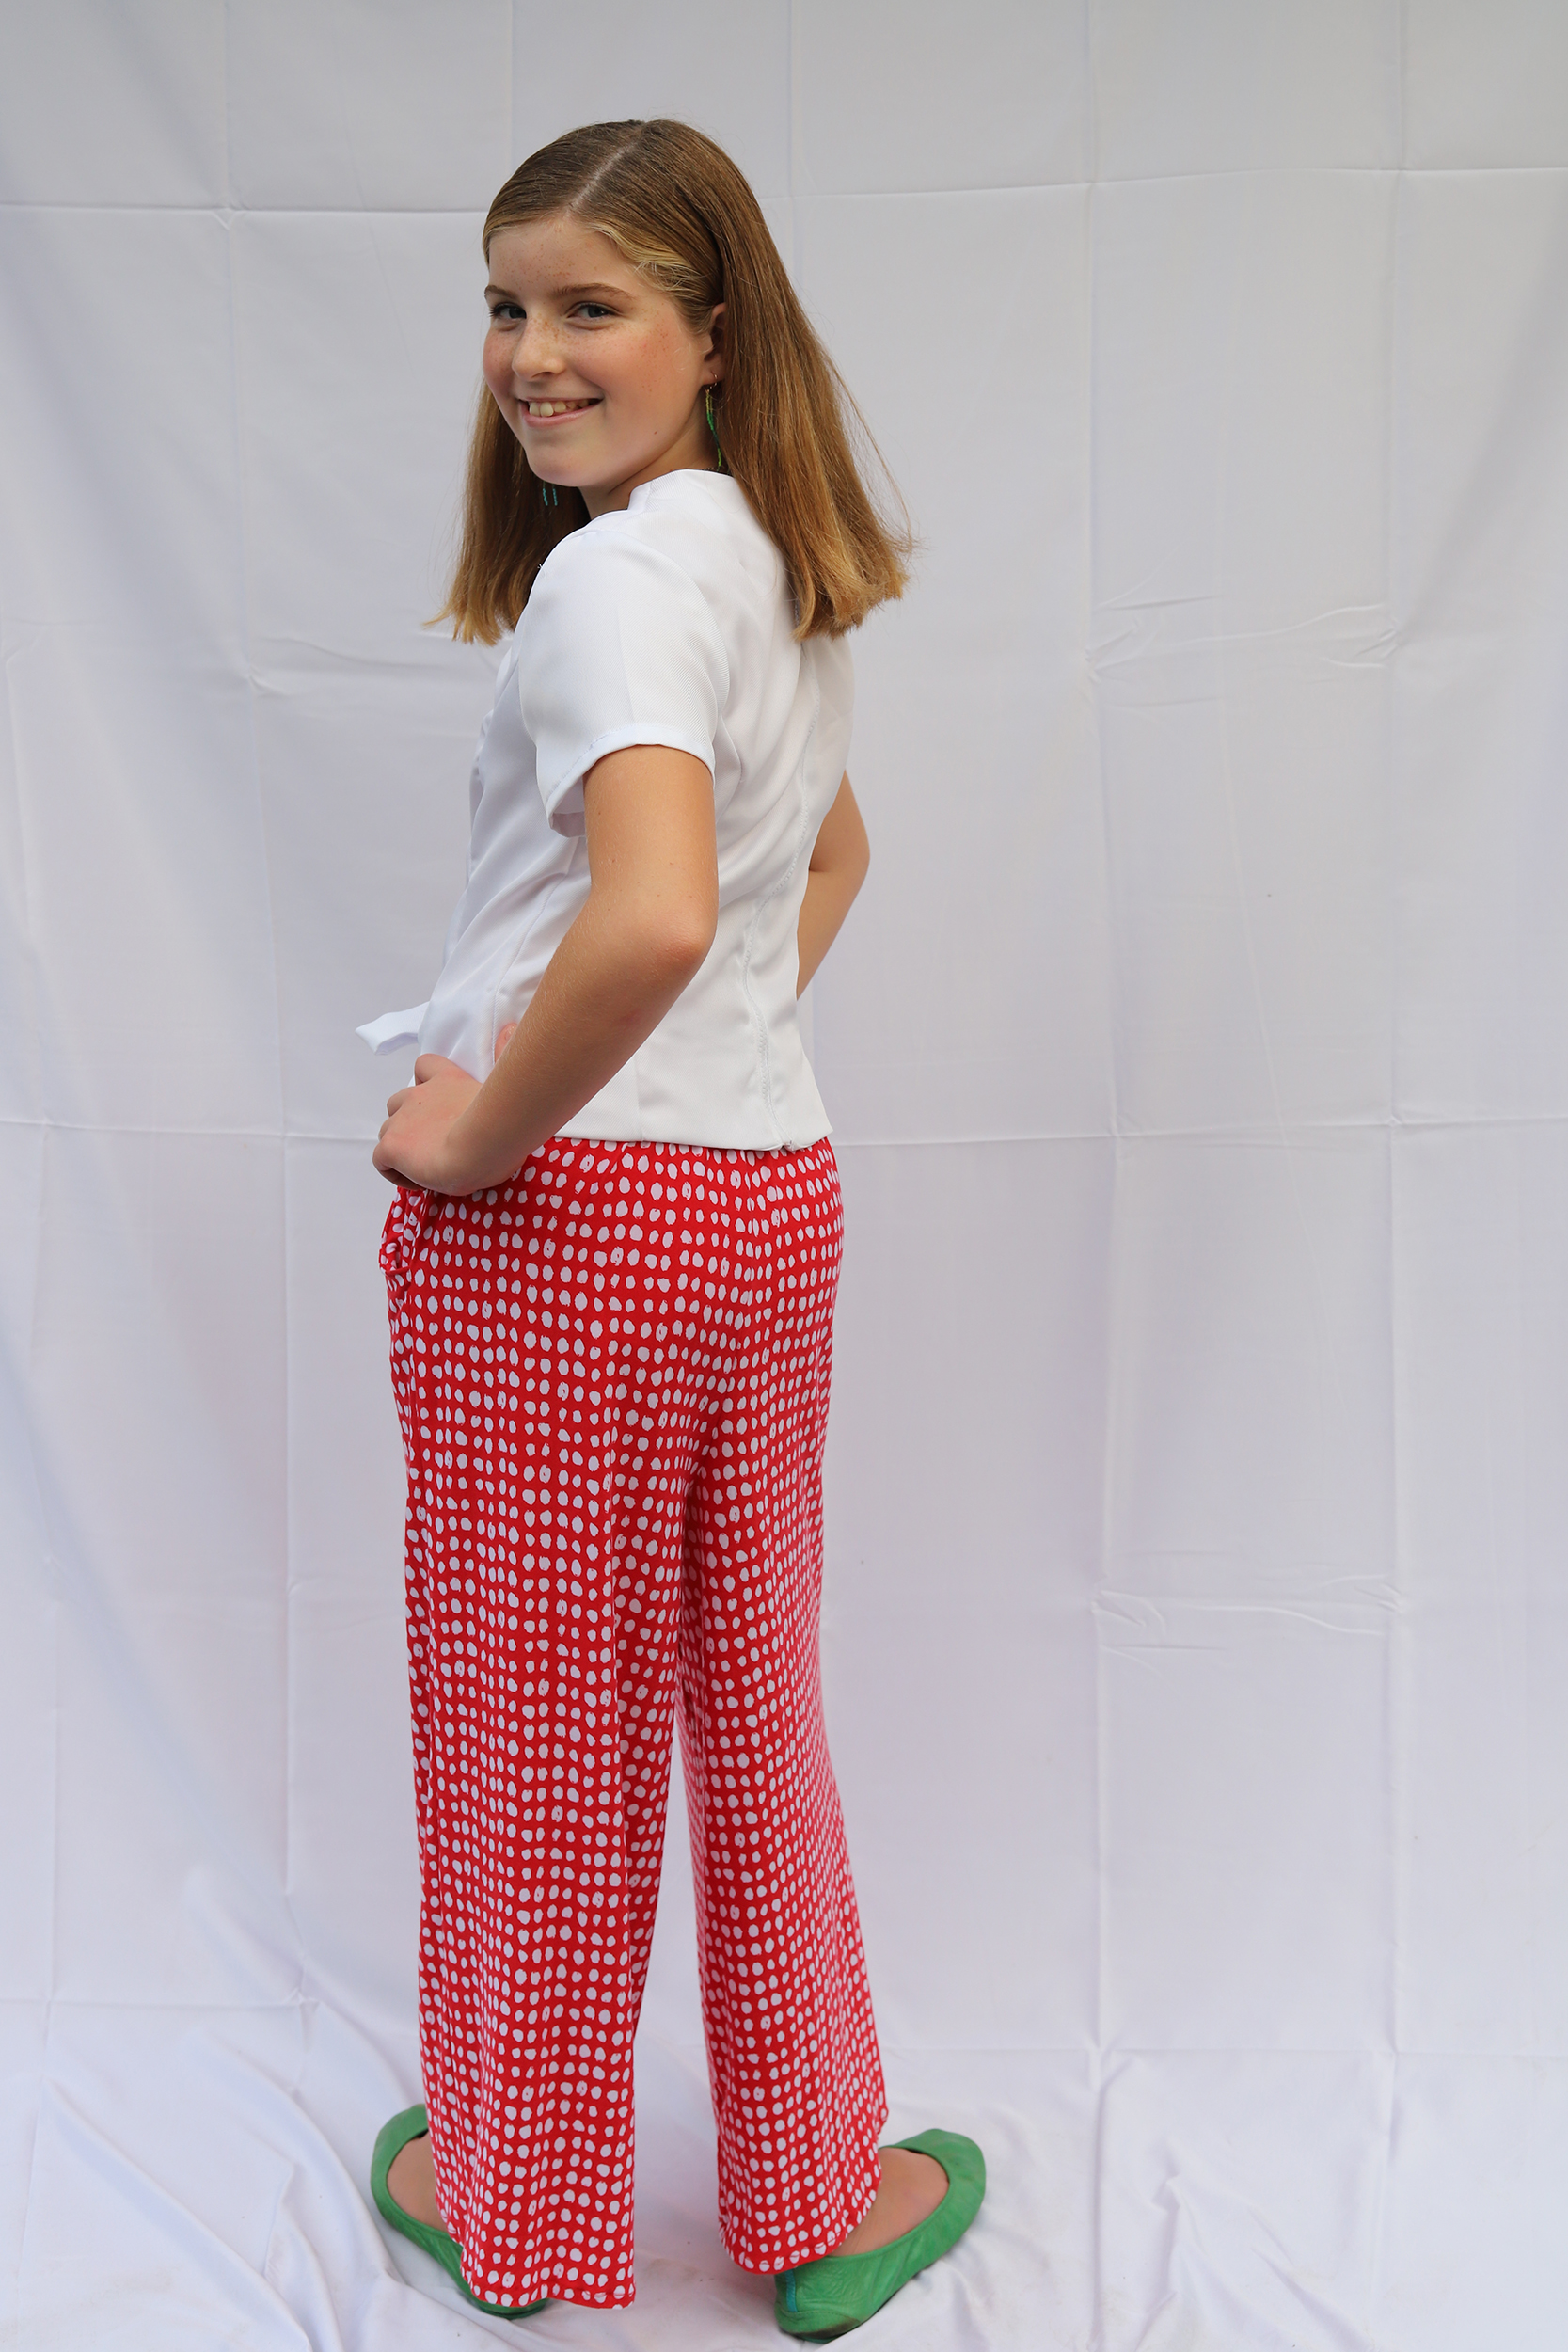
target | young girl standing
x=611, y=1265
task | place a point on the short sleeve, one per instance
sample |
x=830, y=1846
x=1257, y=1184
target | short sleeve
x=617, y=645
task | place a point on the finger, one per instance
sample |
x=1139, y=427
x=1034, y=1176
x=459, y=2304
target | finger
x=384, y=1166
x=504, y=1038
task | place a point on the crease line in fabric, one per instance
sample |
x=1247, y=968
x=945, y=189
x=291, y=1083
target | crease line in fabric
x=1397, y=1710
x=1093, y=693
x=232, y=219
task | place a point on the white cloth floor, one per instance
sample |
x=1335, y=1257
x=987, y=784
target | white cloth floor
x=1196, y=1623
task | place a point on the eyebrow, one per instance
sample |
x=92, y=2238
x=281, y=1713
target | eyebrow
x=600, y=288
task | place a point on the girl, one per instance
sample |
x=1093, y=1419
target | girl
x=611, y=1265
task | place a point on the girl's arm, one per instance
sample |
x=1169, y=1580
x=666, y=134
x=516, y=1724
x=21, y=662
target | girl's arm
x=838, y=869
x=640, y=936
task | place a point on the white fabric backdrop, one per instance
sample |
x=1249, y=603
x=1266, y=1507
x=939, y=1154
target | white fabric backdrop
x=1196, y=1627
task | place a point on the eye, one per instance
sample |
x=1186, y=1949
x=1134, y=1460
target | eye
x=506, y=309
x=595, y=309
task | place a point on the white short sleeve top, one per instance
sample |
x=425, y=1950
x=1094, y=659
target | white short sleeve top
x=668, y=624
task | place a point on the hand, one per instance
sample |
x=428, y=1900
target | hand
x=415, y=1146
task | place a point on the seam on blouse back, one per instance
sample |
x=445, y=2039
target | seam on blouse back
x=758, y=1019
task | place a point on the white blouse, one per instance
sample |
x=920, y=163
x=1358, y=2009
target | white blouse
x=668, y=624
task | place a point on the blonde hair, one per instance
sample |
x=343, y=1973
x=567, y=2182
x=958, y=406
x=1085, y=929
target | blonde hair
x=674, y=206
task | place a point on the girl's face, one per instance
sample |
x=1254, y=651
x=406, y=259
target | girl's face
x=595, y=371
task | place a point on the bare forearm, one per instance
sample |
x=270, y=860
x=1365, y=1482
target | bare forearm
x=643, y=933
x=838, y=867
x=828, y=898
x=596, y=1003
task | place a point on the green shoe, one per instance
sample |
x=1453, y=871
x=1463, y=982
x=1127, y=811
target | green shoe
x=391, y=2138
x=829, y=2296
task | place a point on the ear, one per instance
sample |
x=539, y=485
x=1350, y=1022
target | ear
x=716, y=343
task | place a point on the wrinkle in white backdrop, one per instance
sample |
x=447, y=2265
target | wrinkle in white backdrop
x=1195, y=1621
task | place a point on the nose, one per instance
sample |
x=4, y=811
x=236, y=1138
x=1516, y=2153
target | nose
x=535, y=352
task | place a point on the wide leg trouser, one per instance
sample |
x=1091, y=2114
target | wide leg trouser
x=613, y=1379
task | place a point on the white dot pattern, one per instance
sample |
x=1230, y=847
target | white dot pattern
x=612, y=1378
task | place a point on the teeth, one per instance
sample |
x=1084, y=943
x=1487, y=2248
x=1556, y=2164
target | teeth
x=554, y=407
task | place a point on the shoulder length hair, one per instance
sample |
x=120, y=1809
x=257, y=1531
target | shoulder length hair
x=673, y=205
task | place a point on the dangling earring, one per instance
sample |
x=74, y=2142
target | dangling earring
x=720, y=465
x=547, y=493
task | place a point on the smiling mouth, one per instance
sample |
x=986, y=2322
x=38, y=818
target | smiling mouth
x=540, y=410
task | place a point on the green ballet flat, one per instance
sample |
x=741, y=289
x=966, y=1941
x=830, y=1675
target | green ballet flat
x=442, y=2248
x=829, y=2296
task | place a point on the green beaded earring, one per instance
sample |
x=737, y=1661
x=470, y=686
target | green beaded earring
x=548, y=494
x=720, y=465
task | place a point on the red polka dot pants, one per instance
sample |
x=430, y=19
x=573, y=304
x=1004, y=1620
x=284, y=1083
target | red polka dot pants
x=613, y=1379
